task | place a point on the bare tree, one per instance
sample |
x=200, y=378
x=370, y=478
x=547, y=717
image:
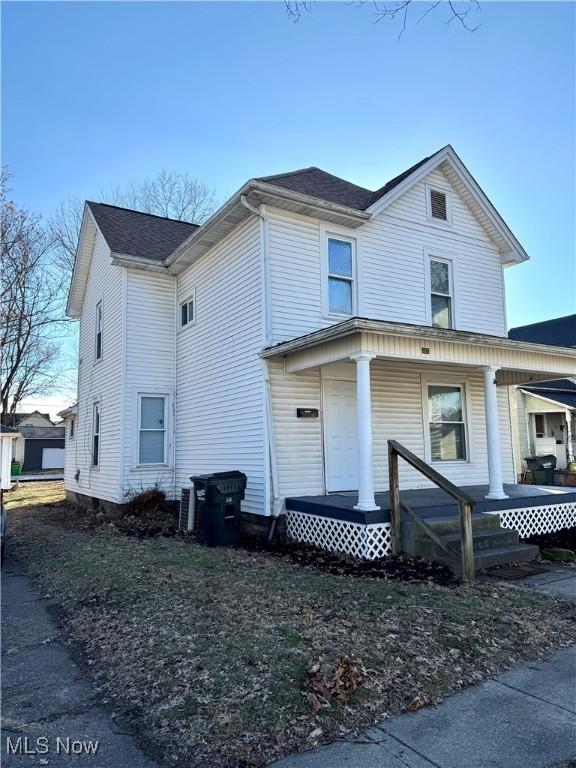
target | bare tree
x=30, y=305
x=400, y=10
x=173, y=194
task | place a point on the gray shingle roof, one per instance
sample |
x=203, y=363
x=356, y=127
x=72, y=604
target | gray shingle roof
x=42, y=433
x=559, y=332
x=133, y=233
x=318, y=183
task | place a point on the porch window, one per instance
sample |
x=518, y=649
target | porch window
x=446, y=423
x=96, y=434
x=340, y=277
x=152, y=430
x=540, y=424
x=441, y=293
x=98, y=330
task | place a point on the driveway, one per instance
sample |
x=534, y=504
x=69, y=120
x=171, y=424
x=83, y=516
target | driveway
x=50, y=715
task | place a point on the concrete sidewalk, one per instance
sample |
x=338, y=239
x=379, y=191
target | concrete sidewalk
x=47, y=701
x=525, y=718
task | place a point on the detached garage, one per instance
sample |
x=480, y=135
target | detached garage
x=43, y=448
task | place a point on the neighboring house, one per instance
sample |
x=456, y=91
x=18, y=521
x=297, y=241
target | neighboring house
x=544, y=416
x=40, y=444
x=305, y=324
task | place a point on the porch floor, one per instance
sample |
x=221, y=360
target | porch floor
x=428, y=502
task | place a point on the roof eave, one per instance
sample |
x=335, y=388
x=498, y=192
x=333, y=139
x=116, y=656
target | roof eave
x=259, y=193
x=357, y=324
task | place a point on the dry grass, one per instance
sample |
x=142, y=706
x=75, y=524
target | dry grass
x=232, y=658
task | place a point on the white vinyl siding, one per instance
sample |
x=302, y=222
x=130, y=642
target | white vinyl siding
x=102, y=383
x=398, y=413
x=220, y=380
x=392, y=266
x=151, y=315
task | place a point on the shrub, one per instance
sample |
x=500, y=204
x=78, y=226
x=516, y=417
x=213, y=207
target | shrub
x=146, y=502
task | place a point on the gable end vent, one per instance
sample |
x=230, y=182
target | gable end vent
x=438, y=206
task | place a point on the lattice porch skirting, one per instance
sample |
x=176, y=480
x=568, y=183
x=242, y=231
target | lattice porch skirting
x=357, y=539
x=545, y=519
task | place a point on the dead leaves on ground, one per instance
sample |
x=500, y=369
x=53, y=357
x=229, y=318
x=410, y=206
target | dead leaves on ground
x=333, y=681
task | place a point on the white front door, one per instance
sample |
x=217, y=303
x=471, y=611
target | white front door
x=340, y=439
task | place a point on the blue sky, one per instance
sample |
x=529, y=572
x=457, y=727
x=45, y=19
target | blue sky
x=99, y=93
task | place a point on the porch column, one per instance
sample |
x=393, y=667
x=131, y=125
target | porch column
x=496, y=490
x=366, y=501
x=569, y=446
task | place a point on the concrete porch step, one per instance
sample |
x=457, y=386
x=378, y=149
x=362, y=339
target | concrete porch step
x=484, y=538
x=515, y=553
x=451, y=524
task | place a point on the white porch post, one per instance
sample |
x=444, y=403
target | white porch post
x=496, y=490
x=366, y=501
x=569, y=446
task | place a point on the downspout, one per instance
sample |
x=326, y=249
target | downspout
x=277, y=503
x=175, y=388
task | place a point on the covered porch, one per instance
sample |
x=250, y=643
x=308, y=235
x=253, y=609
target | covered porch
x=339, y=394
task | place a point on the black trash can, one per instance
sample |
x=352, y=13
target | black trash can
x=218, y=498
x=542, y=469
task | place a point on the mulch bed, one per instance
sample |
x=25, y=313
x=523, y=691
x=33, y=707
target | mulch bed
x=562, y=539
x=402, y=567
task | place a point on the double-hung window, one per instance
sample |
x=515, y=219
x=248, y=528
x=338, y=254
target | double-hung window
x=446, y=422
x=441, y=293
x=152, y=429
x=340, y=276
x=98, y=330
x=188, y=310
x=96, y=435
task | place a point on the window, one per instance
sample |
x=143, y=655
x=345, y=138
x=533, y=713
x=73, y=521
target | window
x=98, y=330
x=152, y=432
x=441, y=293
x=340, y=277
x=187, y=310
x=71, y=429
x=446, y=423
x=540, y=424
x=96, y=435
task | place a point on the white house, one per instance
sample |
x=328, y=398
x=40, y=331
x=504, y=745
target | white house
x=305, y=324
x=544, y=413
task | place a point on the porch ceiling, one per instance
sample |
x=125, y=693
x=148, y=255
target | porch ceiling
x=517, y=362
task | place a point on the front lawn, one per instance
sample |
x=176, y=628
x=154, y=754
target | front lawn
x=232, y=658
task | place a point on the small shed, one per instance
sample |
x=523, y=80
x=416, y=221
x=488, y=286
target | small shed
x=7, y=437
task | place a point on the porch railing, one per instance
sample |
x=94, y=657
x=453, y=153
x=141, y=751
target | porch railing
x=465, y=504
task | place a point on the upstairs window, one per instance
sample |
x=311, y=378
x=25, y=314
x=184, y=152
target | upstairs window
x=96, y=435
x=441, y=294
x=98, y=330
x=71, y=429
x=187, y=311
x=340, y=276
x=152, y=431
x=446, y=423
x=439, y=205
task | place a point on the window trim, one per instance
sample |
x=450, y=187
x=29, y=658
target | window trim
x=444, y=259
x=98, y=331
x=96, y=407
x=334, y=234
x=146, y=465
x=442, y=222
x=191, y=298
x=464, y=385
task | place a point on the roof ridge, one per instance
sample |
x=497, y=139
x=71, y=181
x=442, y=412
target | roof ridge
x=143, y=213
x=290, y=173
